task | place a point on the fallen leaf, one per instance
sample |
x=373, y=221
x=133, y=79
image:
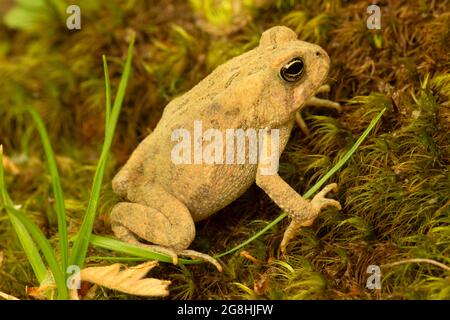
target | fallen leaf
x=130, y=280
x=7, y=296
x=1, y=259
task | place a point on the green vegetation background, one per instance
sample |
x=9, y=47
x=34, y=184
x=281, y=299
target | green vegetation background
x=394, y=191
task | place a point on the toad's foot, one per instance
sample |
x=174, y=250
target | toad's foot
x=318, y=103
x=184, y=253
x=127, y=236
x=307, y=217
x=198, y=255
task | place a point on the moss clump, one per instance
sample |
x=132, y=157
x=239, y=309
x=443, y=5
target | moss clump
x=394, y=189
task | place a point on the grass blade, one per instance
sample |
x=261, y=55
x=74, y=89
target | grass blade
x=346, y=157
x=120, y=94
x=46, y=249
x=108, y=92
x=57, y=189
x=130, y=249
x=28, y=245
x=82, y=241
x=133, y=250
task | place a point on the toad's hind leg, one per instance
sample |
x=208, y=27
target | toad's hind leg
x=167, y=224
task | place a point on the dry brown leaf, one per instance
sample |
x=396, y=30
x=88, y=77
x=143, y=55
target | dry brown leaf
x=1, y=259
x=130, y=280
x=7, y=296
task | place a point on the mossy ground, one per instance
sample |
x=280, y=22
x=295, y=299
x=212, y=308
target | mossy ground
x=394, y=191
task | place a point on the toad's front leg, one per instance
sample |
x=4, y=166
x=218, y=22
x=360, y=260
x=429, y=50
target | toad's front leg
x=301, y=211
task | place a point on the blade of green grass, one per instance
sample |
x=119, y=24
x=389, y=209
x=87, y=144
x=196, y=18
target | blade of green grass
x=131, y=249
x=81, y=244
x=57, y=189
x=109, y=258
x=108, y=92
x=46, y=249
x=30, y=248
x=28, y=245
x=346, y=157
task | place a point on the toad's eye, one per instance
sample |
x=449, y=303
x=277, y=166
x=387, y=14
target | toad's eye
x=293, y=70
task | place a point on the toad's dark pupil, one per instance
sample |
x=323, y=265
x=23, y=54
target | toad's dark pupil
x=293, y=70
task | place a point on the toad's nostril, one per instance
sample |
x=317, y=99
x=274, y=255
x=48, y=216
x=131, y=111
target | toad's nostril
x=318, y=54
